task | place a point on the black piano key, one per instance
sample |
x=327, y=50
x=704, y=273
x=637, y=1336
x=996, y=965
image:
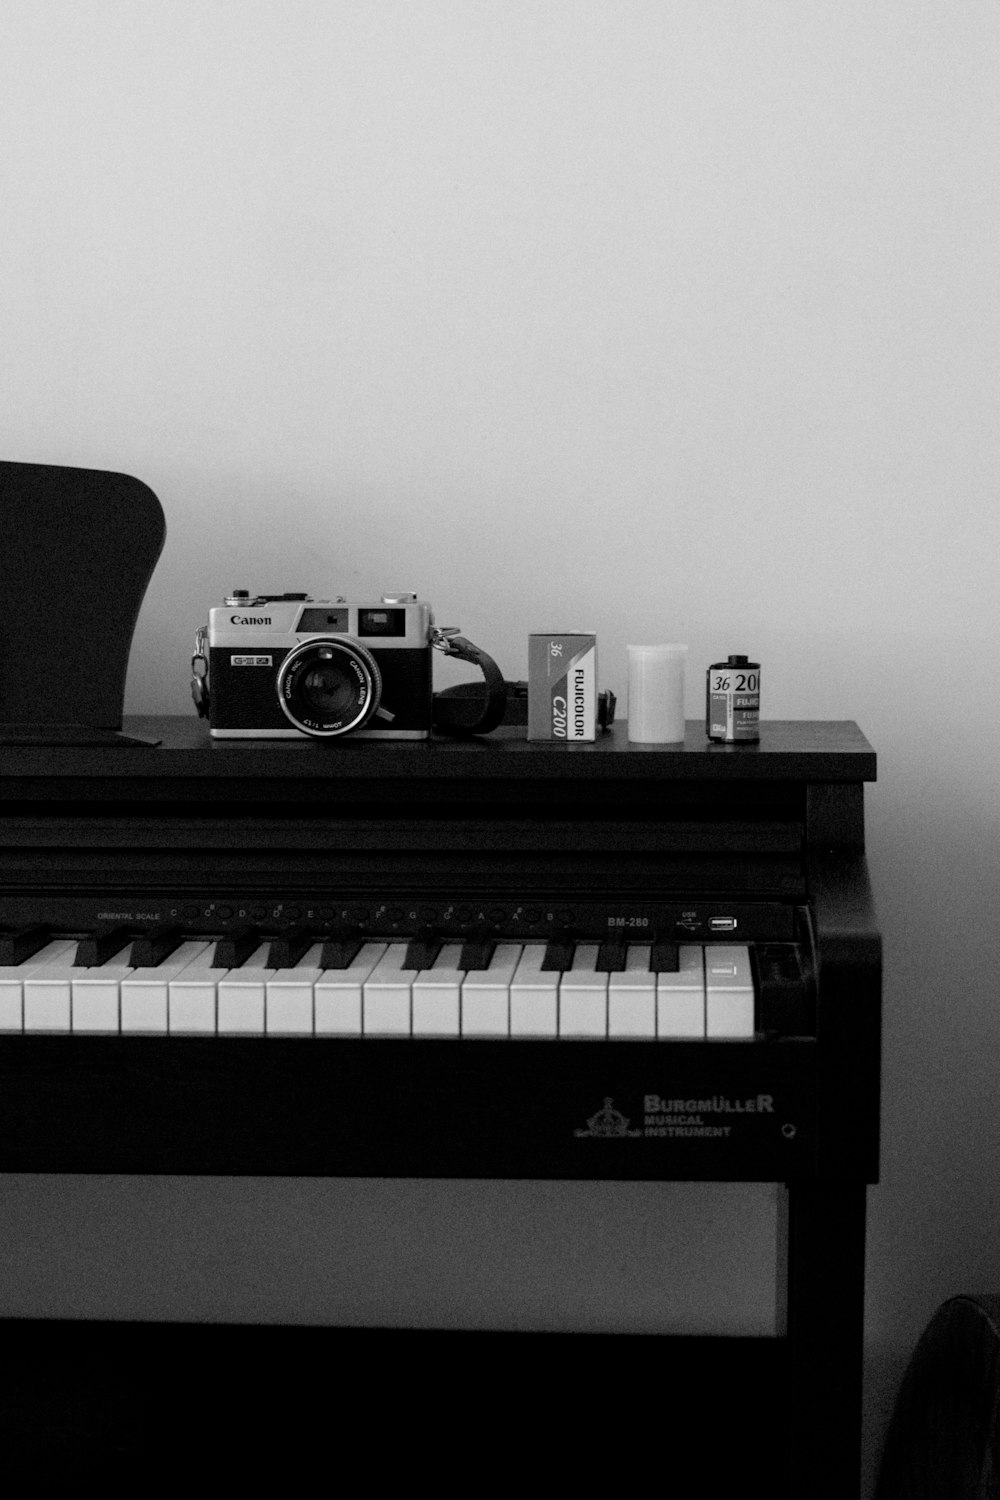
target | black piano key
x=152, y=947
x=339, y=953
x=233, y=950
x=611, y=957
x=421, y=952
x=285, y=951
x=102, y=945
x=558, y=955
x=19, y=945
x=665, y=958
x=476, y=954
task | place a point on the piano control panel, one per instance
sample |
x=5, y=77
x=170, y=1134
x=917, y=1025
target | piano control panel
x=402, y=914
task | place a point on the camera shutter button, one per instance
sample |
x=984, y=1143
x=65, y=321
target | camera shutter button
x=403, y=598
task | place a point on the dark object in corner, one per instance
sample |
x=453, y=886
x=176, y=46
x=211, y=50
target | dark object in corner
x=943, y=1441
x=77, y=550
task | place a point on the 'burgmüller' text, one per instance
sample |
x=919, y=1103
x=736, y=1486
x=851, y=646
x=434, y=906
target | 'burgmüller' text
x=718, y=1104
x=685, y=1117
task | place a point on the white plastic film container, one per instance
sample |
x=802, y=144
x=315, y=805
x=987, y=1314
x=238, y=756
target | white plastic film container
x=656, y=694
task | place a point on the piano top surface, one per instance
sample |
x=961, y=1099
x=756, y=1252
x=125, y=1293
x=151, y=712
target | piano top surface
x=789, y=750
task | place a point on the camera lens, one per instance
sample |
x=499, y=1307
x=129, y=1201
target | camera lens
x=329, y=686
x=328, y=691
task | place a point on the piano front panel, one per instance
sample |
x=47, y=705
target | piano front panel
x=353, y=1106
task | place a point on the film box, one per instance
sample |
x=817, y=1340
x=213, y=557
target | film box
x=562, y=686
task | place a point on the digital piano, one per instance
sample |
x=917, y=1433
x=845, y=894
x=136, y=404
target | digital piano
x=463, y=958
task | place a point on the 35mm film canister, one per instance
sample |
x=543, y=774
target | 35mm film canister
x=732, y=700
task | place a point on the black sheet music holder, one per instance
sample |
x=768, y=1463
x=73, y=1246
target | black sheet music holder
x=77, y=550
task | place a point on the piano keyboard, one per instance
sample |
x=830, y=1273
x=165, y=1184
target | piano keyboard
x=382, y=989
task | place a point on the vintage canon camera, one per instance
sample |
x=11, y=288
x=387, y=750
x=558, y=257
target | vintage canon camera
x=283, y=665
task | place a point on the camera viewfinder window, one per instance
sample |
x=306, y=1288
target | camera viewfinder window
x=381, y=622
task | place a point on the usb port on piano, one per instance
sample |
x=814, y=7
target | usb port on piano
x=722, y=924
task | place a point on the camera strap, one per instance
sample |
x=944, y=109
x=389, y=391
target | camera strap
x=199, y=672
x=469, y=707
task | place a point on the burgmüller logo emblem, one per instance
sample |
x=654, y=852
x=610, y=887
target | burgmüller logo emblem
x=608, y=1121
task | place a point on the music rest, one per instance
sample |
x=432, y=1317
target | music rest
x=79, y=549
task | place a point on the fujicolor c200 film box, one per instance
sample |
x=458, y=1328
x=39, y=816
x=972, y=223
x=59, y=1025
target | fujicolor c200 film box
x=562, y=686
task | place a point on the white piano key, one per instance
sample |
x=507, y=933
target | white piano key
x=241, y=996
x=145, y=993
x=387, y=995
x=338, y=994
x=288, y=1009
x=96, y=995
x=12, y=979
x=632, y=996
x=486, y=994
x=48, y=994
x=534, y=996
x=583, y=996
x=680, y=997
x=729, y=1005
x=437, y=995
x=192, y=997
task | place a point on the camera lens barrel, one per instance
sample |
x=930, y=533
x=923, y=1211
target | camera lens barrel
x=328, y=686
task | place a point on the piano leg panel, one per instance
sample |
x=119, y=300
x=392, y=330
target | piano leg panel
x=821, y=1236
x=206, y=1406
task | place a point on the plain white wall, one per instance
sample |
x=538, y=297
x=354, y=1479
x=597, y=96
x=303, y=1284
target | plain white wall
x=675, y=318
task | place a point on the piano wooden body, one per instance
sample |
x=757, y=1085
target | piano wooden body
x=490, y=958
